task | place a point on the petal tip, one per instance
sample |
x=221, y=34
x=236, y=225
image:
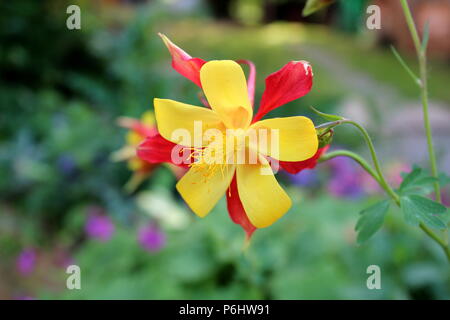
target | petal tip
x=267, y=223
x=166, y=40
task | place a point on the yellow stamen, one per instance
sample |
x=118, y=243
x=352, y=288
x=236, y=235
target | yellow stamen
x=208, y=160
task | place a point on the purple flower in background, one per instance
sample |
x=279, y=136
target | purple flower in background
x=151, y=238
x=26, y=261
x=346, y=178
x=304, y=178
x=98, y=225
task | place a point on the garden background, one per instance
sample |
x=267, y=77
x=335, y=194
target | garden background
x=62, y=198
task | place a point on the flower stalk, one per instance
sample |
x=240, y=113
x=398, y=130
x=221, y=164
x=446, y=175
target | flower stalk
x=382, y=180
x=356, y=157
x=377, y=174
x=422, y=58
x=421, y=51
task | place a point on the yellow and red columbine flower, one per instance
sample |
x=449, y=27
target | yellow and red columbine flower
x=139, y=130
x=254, y=200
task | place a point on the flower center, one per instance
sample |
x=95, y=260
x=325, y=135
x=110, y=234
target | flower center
x=208, y=160
x=236, y=147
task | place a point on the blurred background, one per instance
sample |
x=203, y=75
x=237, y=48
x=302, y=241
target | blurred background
x=62, y=198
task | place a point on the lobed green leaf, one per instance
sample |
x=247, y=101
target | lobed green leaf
x=418, y=209
x=371, y=220
x=410, y=178
x=416, y=182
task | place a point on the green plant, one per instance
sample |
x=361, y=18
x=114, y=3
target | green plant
x=417, y=209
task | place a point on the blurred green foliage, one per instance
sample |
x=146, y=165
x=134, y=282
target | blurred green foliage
x=60, y=93
x=310, y=254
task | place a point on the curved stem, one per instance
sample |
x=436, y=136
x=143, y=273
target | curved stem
x=385, y=186
x=344, y=153
x=436, y=238
x=382, y=181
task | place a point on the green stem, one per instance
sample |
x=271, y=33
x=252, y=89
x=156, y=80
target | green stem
x=345, y=153
x=438, y=240
x=381, y=180
x=368, y=168
x=421, y=52
x=421, y=55
x=377, y=174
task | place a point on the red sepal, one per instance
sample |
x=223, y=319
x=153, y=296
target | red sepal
x=296, y=167
x=236, y=210
x=156, y=149
x=183, y=63
x=291, y=82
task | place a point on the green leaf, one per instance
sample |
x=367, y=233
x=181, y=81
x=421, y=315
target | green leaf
x=371, y=220
x=428, y=205
x=315, y=5
x=425, y=181
x=422, y=186
x=409, y=212
x=416, y=182
x=444, y=179
x=420, y=209
x=326, y=116
x=405, y=66
x=410, y=178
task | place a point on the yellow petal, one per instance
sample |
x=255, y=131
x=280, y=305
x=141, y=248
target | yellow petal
x=288, y=139
x=171, y=116
x=223, y=82
x=262, y=197
x=202, y=189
